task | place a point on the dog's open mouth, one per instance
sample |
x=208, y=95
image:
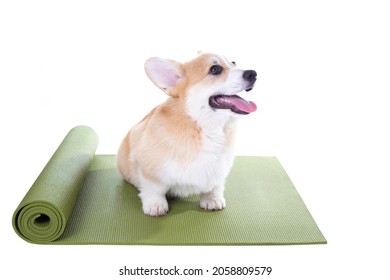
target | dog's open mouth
x=235, y=103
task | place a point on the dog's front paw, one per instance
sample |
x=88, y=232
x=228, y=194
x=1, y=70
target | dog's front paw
x=155, y=208
x=210, y=202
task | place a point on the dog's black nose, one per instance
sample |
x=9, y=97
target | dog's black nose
x=249, y=75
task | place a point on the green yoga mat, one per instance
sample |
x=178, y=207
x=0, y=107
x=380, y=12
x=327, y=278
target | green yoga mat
x=80, y=198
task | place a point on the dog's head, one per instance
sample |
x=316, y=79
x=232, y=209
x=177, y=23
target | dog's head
x=208, y=83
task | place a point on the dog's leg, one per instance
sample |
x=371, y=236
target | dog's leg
x=154, y=201
x=214, y=199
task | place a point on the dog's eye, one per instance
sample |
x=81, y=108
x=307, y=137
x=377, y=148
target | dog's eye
x=234, y=63
x=215, y=70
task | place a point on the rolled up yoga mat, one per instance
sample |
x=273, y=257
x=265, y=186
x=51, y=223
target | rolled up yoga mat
x=80, y=198
x=45, y=210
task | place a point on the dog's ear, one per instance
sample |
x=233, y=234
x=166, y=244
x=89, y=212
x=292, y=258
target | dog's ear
x=164, y=73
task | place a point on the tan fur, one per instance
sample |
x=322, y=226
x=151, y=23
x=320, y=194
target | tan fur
x=165, y=127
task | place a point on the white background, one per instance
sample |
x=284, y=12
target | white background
x=323, y=110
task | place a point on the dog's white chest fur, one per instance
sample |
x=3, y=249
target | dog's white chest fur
x=207, y=170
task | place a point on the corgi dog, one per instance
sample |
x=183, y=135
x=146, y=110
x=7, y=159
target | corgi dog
x=184, y=146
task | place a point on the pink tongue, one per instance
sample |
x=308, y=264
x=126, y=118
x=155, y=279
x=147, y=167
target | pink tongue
x=238, y=102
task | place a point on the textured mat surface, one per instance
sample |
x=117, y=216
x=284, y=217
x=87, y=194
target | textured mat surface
x=80, y=198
